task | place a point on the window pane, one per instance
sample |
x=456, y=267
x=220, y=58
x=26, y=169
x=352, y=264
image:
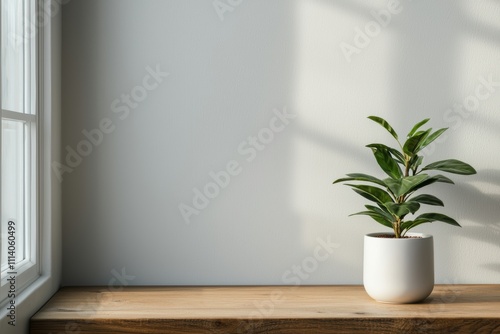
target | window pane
x=13, y=55
x=14, y=191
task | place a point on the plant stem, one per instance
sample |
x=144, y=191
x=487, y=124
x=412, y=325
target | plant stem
x=402, y=199
x=397, y=228
x=407, y=165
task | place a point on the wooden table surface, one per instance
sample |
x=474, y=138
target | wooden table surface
x=266, y=309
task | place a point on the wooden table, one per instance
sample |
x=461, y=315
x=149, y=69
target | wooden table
x=266, y=309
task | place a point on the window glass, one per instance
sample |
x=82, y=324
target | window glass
x=13, y=55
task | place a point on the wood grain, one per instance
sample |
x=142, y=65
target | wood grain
x=266, y=309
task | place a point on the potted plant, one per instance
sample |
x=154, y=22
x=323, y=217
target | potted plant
x=399, y=266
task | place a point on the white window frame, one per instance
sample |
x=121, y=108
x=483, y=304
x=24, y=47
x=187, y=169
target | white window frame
x=28, y=270
x=36, y=294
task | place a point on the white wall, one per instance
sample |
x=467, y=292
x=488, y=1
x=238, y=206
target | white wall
x=227, y=77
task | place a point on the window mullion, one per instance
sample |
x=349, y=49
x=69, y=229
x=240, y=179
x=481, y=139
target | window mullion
x=16, y=116
x=27, y=190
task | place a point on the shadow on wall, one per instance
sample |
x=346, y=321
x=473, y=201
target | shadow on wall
x=428, y=57
x=121, y=205
x=434, y=43
x=485, y=210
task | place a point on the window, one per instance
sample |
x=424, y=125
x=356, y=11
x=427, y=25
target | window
x=19, y=144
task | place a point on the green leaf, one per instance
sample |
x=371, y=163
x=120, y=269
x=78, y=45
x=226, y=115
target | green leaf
x=360, y=177
x=443, y=179
x=405, y=185
x=402, y=209
x=432, y=137
x=428, y=199
x=417, y=126
x=428, y=218
x=381, y=211
x=416, y=161
x=412, y=144
x=451, y=166
x=438, y=217
x=377, y=217
x=372, y=193
x=387, y=163
x=398, y=156
x=432, y=179
x=385, y=124
x=408, y=225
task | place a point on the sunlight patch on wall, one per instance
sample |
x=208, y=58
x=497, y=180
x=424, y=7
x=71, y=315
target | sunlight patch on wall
x=482, y=15
x=333, y=96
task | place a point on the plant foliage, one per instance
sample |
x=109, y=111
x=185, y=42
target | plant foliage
x=393, y=198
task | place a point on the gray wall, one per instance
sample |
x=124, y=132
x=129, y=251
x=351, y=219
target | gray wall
x=138, y=147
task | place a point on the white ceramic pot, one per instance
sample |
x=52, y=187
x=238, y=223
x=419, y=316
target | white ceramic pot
x=398, y=270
